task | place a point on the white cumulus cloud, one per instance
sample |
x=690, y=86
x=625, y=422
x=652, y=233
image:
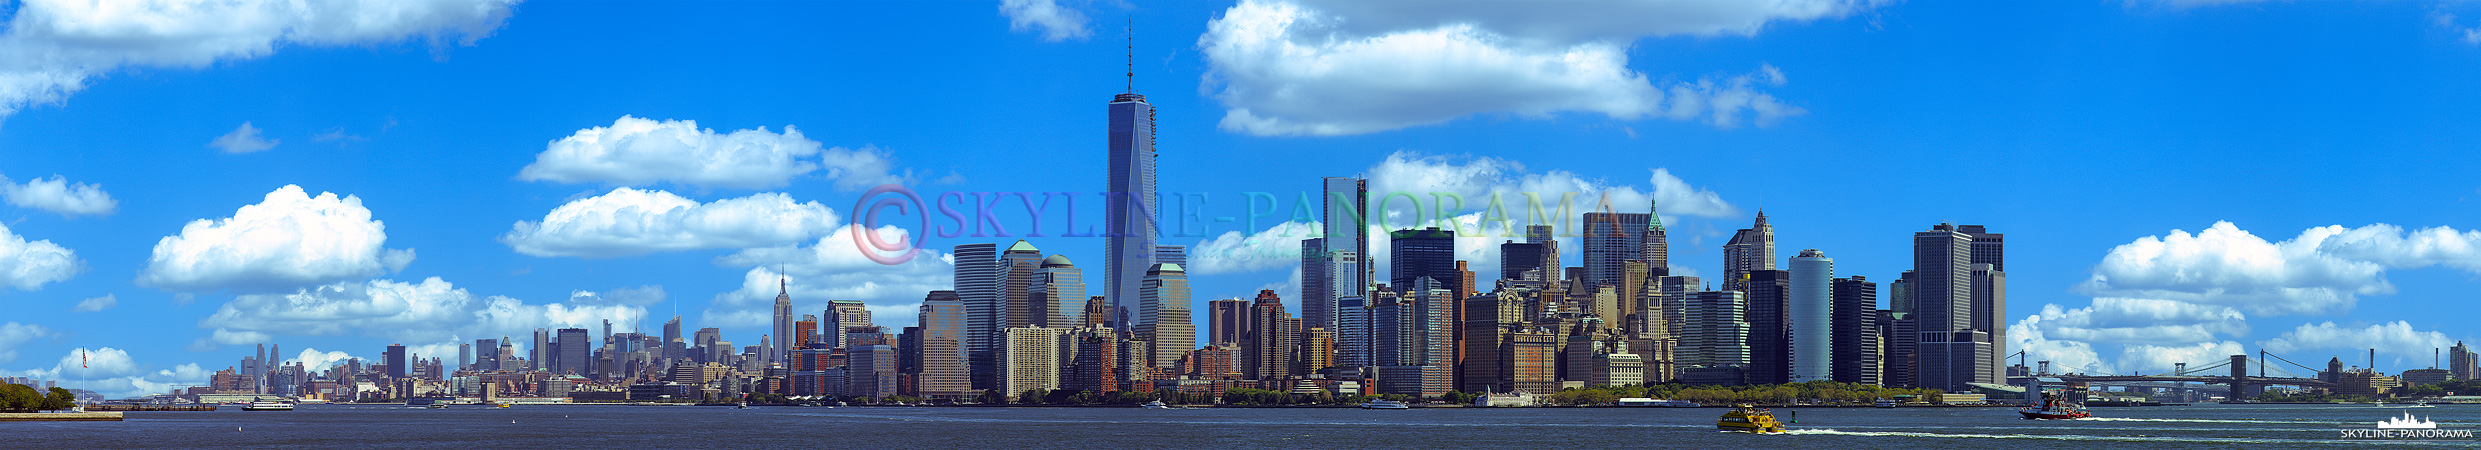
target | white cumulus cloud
x=1307, y=67
x=634, y=222
x=28, y=265
x=2225, y=265
x=637, y=296
x=2136, y=320
x=53, y=48
x=427, y=311
x=2065, y=356
x=638, y=152
x=112, y=372
x=2397, y=338
x=94, y=304
x=2159, y=359
x=1055, y=22
x=245, y=139
x=13, y=334
x=288, y=240
x=314, y=359
x=57, y=195
x=833, y=268
x=1233, y=252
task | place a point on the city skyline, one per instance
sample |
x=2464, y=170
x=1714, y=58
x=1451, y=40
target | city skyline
x=126, y=240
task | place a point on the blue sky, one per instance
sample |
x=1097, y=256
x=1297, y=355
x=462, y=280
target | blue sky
x=2110, y=141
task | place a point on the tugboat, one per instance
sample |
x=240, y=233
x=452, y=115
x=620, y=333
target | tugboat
x=1384, y=404
x=1749, y=419
x=2054, y=408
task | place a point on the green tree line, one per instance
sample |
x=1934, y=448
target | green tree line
x=23, y=398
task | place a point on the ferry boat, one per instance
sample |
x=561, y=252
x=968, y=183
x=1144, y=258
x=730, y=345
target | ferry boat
x=1884, y=403
x=2053, y=408
x=1749, y=419
x=1384, y=404
x=1157, y=404
x=267, y=406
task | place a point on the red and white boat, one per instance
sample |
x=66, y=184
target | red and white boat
x=2053, y=407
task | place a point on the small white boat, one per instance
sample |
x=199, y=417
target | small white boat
x=2420, y=405
x=1384, y=404
x=1157, y=404
x=267, y=406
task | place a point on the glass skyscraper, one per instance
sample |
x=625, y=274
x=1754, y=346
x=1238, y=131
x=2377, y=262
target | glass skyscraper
x=1129, y=235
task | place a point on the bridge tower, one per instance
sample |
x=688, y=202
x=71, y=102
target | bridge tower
x=2239, y=379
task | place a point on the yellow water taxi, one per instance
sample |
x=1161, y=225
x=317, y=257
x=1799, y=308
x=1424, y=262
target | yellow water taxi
x=1749, y=419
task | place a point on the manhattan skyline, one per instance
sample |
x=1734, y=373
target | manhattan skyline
x=2166, y=187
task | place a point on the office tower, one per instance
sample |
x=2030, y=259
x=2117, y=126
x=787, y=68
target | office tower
x=1267, y=349
x=1058, y=288
x=1751, y=249
x=465, y=356
x=1990, y=314
x=1335, y=270
x=1903, y=358
x=943, y=372
x=1424, y=253
x=1356, y=332
x=1636, y=299
x=1031, y=360
x=843, y=315
x=1811, y=311
x=1317, y=288
x=707, y=346
x=673, y=346
x=1016, y=286
x=1533, y=354
x=805, y=333
x=977, y=286
x=508, y=354
x=1163, y=314
x=1345, y=206
x=1317, y=349
x=1657, y=242
x=1988, y=248
x=783, y=322
x=486, y=354
x=1674, y=297
x=1899, y=295
x=394, y=356
x=1227, y=321
x=1951, y=351
x=1092, y=361
x=1611, y=240
x=1488, y=319
x=1097, y=311
x=1717, y=333
x=1854, y=327
x=1393, y=332
x=870, y=369
x=1517, y=258
x=1770, y=351
x=1542, y=234
x=909, y=361
x=541, y=352
x=1171, y=254
x=574, y=345
x=1129, y=214
x=2462, y=362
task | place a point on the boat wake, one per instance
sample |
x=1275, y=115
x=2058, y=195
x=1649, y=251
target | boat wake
x=2133, y=419
x=2066, y=437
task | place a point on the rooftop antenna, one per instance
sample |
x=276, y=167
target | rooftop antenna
x=1131, y=32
